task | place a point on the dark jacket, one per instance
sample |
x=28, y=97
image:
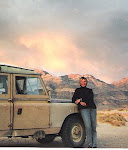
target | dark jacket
x=86, y=95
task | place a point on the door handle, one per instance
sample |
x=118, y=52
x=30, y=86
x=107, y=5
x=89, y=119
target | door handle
x=9, y=100
x=19, y=112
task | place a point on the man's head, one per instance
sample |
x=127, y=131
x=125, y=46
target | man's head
x=83, y=81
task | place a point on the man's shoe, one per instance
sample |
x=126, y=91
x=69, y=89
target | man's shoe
x=95, y=147
x=89, y=146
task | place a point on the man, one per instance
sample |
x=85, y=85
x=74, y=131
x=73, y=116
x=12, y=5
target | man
x=83, y=97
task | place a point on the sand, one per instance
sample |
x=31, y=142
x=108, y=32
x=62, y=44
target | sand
x=112, y=137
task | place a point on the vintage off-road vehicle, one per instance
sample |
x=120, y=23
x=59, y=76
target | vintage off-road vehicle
x=26, y=110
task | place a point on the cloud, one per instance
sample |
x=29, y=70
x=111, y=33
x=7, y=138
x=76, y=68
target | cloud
x=66, y=36
x=50, y=51
x=106, y=45
x=55, y=51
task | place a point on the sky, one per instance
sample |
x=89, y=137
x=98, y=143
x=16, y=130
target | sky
x=66, y=36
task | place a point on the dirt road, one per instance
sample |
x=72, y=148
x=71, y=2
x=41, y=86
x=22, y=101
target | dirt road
x=108, y=137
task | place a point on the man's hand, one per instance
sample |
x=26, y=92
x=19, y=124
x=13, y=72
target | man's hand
x=77, y=101
x=83, y=103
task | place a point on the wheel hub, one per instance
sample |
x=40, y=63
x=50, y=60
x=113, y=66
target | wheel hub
x=77, y=132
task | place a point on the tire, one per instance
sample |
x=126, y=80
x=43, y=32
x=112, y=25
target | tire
x=48, y=139
x=73, y=132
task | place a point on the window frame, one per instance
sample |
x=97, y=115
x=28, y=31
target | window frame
x=6, y=96
x=29, y=97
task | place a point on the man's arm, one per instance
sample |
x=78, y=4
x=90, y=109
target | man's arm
x=83, y=103
x=90, y=95
x=75, y=96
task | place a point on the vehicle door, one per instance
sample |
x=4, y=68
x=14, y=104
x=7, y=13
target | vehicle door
x=5, y=103
x=30, y=99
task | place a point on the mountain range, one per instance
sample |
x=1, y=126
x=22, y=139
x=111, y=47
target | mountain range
x=106, y=96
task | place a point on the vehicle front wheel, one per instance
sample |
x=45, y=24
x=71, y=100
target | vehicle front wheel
x=73, y=132
x=48, y=139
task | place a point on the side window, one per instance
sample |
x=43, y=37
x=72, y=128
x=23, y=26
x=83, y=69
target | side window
x=29, y=86
x=3, y=84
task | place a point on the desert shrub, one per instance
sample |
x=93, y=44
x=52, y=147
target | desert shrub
x=109, y=109
x=106, y=110
x=114, y=119
x=122, y=109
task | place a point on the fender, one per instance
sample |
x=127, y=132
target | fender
x=59, y=111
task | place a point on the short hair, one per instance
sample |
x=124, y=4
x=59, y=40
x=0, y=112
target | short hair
x=83, y=78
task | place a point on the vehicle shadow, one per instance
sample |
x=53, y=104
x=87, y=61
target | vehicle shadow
x=19, y=142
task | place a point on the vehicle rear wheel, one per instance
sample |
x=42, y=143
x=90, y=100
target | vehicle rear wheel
x=73, y=132
x=48, y=139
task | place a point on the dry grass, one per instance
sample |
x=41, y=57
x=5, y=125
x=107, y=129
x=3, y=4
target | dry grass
x=115, y=119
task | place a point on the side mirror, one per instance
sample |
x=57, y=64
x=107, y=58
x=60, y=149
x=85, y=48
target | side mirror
x=49, y=93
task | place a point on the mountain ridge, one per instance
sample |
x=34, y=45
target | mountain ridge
x=106, y=95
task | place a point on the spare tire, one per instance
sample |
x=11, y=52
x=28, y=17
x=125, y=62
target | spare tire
x=48, y=139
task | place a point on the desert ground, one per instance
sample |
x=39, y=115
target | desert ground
x=109, y=136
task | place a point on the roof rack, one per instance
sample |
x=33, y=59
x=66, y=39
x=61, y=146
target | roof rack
x=4, y=68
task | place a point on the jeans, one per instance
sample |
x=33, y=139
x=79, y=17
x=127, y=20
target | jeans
x=90, y=121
